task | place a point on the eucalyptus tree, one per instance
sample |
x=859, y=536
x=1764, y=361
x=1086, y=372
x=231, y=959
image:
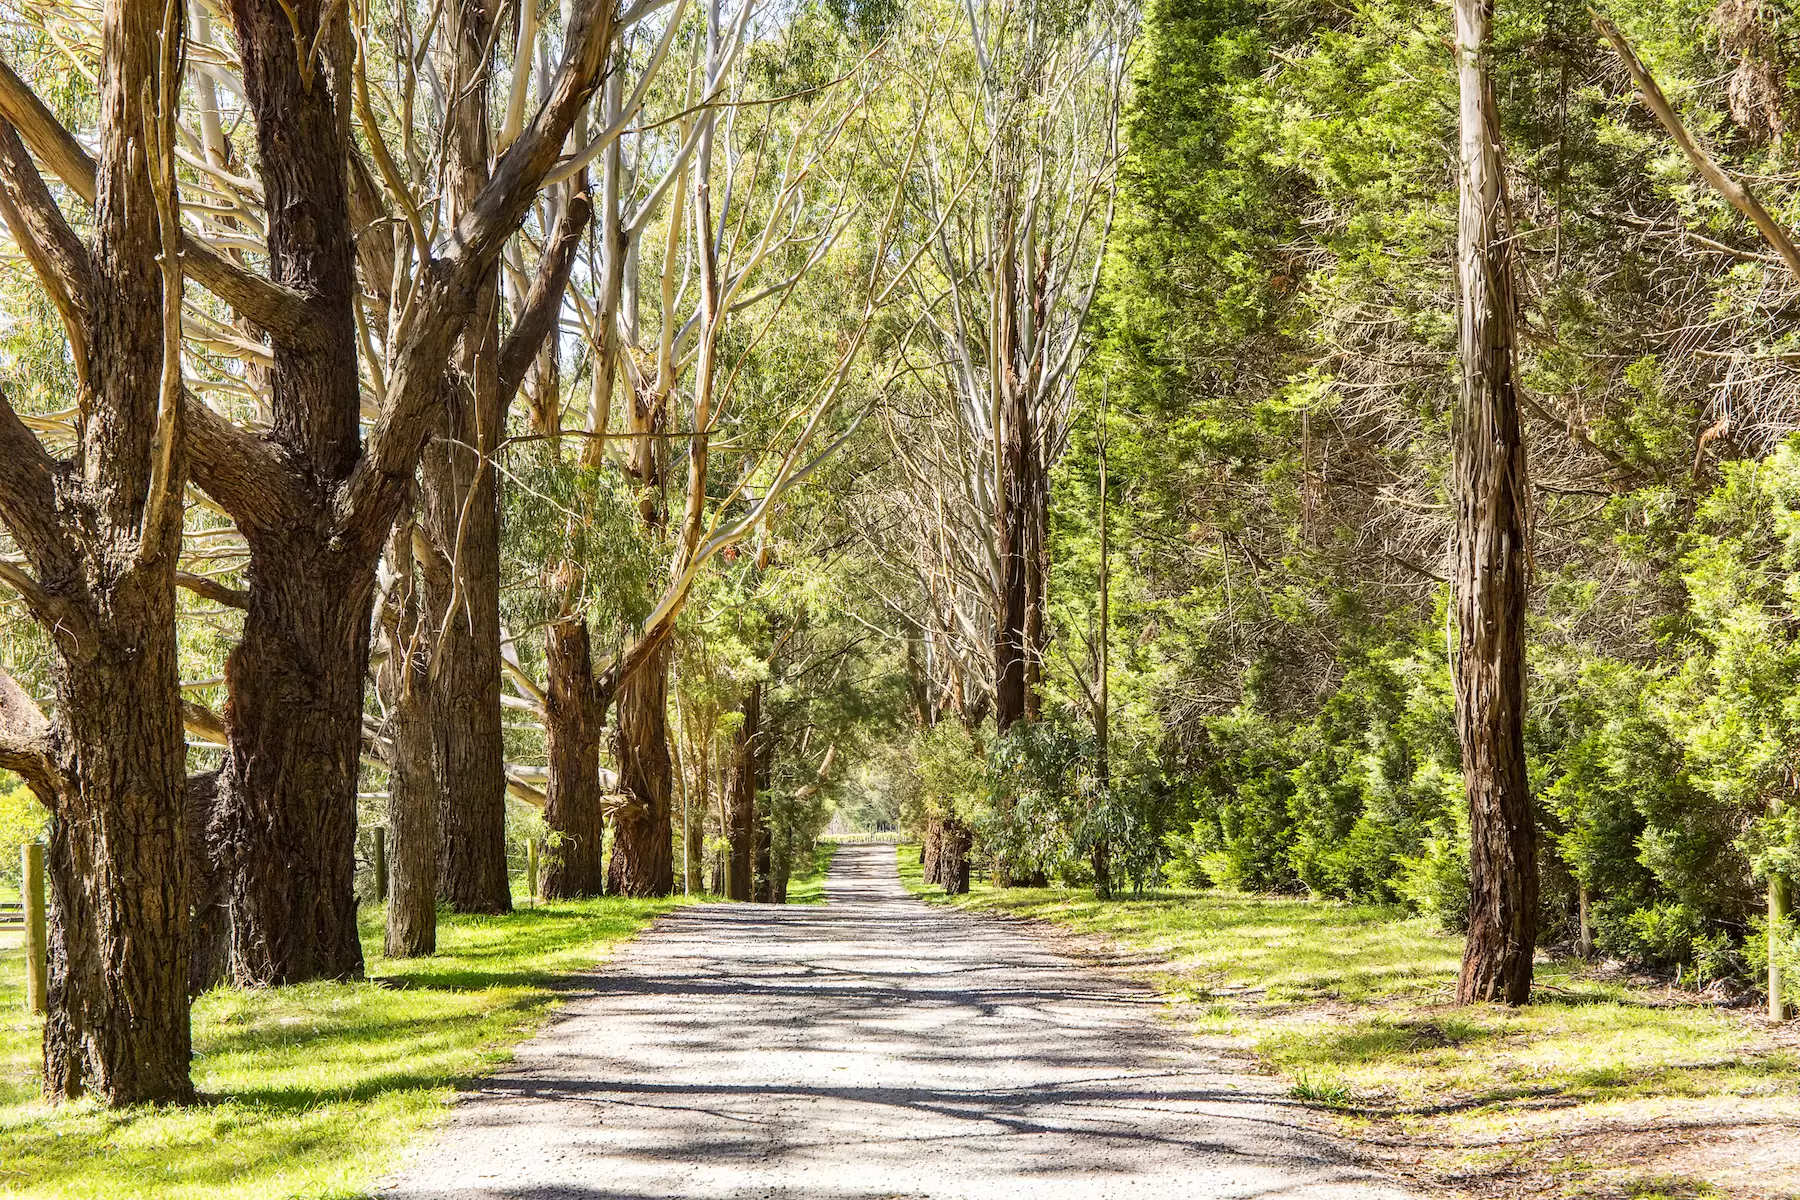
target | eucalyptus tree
x=98, y=520
x=1018, y=182
x=701, y=261
x=321, y=387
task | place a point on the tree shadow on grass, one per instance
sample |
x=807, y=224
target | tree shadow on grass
x=307, y=1089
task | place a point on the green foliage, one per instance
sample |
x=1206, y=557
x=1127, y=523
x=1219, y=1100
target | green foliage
x=22, y=819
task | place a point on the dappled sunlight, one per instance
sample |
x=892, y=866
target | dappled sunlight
x=870, y=1047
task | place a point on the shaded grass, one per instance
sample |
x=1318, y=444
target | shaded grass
x=1353, y=1004
x=311, y=1091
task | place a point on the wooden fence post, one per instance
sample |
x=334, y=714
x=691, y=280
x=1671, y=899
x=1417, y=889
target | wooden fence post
x=37, y=949
x=381, y=874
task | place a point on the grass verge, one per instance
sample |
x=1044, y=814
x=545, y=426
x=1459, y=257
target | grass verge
x=1606, y=1085
x=310, y=1091
x=806, y=885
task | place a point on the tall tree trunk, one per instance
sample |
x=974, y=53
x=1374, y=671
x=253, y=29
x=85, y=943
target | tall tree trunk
x=314, y=502
x=694, y=823
x=412, y=788
x=1491, y=505
x=572, y=809
x=209, y=918
x=294, y=710
x=1018, y=560
x=643, y=859
x=740, y=798
x=953, y=857
x=462, y=519
x=295, y=681
x=763, y=887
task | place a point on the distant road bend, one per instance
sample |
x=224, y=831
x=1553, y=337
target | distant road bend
x=871, y=1047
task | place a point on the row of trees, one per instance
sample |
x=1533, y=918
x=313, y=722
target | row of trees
x=1370, y=261
x=401, y=398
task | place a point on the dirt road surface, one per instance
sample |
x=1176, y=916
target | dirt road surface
x=872, y=1047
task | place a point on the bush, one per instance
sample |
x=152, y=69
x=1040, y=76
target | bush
x=1660, y=935
x=1436, y=881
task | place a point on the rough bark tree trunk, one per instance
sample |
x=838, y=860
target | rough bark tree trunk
x=209, y=920
x=694, y=826
x=412, y=787
x=1018, y=559
x=953, y=857
x=462, y=518
x=643, y=859
x=740, y=797
x=763, y=890
x=1490, y=494
x=572, y=810
x=295, y=681
x=313, y=499
x=101, y=534
x=294, y=688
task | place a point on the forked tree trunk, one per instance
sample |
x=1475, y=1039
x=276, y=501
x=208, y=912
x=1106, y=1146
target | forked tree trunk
x=295, y=681
x=462, y=518
x=643, y=859
x=1491, y=506
x=740, y=798
x=313, y=500
x=572, y=808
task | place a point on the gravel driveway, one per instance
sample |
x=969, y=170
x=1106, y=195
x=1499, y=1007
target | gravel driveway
x=871, y=1047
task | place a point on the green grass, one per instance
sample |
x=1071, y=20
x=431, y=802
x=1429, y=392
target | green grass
x=310, y=1091
x=807, y=883
x=1353, y=1005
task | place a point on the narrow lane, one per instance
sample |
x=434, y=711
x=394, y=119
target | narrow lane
x=874, y=1046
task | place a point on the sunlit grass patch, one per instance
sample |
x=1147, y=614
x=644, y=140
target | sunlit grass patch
x=311, y=1091
x=807, y=884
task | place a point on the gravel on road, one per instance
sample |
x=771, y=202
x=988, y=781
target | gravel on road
x=871, y=1047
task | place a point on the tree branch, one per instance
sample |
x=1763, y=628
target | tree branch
x=543, y=304
x=27, y=746
x=241, y=471
x=1739, y=196
x=213, y=590
x=28, y=491
x=41, y=231
x=280, y=310
x=501, y=203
